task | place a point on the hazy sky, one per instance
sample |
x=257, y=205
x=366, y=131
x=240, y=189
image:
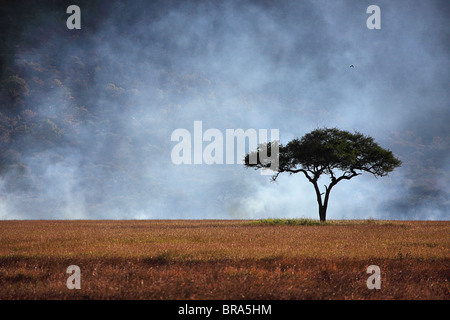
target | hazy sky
x=249, y=64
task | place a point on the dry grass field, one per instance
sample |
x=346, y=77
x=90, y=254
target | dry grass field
x=224, y=259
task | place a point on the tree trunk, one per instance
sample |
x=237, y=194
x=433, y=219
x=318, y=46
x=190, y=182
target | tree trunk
x=323, y=210
x=322, y=205
x=322, y=213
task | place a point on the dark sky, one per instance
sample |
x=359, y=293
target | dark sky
x=250, y=64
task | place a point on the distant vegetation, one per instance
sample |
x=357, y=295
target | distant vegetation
x=314, y=222
x=291, y=222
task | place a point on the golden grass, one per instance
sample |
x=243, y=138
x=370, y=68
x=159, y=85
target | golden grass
x=223, y=259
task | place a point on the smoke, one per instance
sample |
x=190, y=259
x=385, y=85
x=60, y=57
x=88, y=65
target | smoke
x=101, y=104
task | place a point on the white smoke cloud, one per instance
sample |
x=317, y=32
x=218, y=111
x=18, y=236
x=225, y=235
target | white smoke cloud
x=231, y=65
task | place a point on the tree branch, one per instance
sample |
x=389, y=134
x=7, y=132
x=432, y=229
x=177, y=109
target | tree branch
x=305, y=172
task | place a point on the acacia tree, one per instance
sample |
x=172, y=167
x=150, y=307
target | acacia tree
x=339, y=154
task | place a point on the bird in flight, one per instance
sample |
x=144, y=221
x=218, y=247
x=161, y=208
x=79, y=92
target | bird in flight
x=352, y=66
